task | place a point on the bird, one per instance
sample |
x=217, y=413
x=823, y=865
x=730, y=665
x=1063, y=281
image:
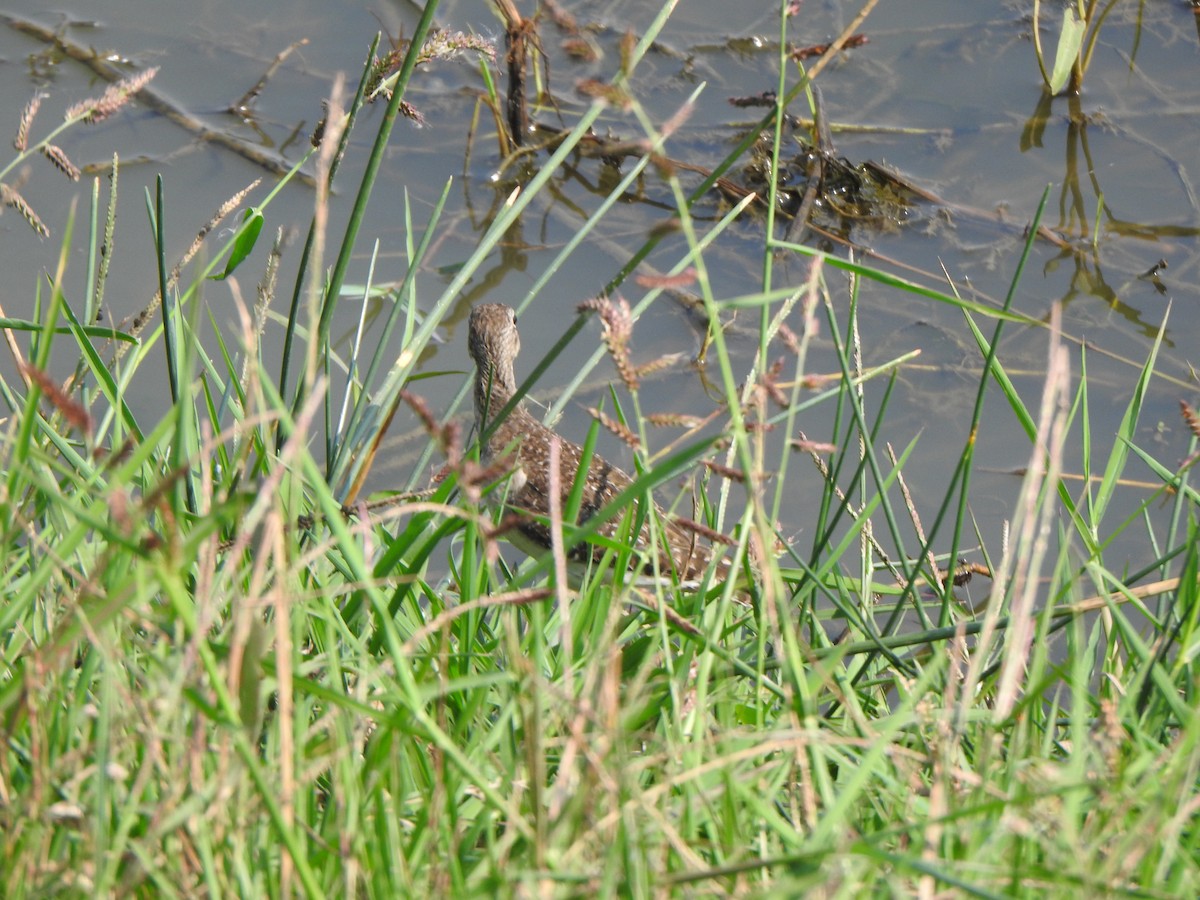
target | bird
x=520, y=445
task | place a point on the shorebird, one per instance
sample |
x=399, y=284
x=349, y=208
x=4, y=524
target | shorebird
x=521, y=444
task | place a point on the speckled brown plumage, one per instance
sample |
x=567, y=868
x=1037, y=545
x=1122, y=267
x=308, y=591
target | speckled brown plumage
x=523, y=443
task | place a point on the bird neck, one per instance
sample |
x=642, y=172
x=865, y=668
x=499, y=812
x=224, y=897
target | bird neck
x=494, y=387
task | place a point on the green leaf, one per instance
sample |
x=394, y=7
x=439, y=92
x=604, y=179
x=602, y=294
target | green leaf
x=95, y=331
x=250, y=682
x=252, y=223
x=1069, y=42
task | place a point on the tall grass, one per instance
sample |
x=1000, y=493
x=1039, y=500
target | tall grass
x=222, y=673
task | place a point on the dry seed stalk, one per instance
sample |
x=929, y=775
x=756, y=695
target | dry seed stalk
x=769, y=382
x=21, y=141
x=724, y=471
x=440, y=44
x=447, y=436
x=789, y=338
x=617, y=320
x=74, y=412
x=1193, y=424
x=11, y=197
x=139, y=321
x=97, y=109
x=266, y=287
x=106, y=249
x=61, y=161
x=1190, y=417
x=673, y=420
x=655, y=365
x=618, y=428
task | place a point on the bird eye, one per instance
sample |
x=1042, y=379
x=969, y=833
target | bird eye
x=514, y=318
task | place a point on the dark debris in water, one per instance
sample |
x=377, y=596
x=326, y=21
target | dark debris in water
x=848, y=194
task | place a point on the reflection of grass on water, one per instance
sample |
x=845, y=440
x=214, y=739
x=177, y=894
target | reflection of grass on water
x=223, y=673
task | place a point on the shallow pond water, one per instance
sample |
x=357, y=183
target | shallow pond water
x=947, y=94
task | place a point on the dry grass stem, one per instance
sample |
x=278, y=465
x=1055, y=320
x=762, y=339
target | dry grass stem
x=676, y=121
x=557, y=550
x=14, y=348
x=703, y=531
x=686, y=278
x=441, y=621
x=806, y=446
x=1036, y=520
x=855, y=512
x=913, y=515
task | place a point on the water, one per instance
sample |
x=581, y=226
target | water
x=946, y=93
